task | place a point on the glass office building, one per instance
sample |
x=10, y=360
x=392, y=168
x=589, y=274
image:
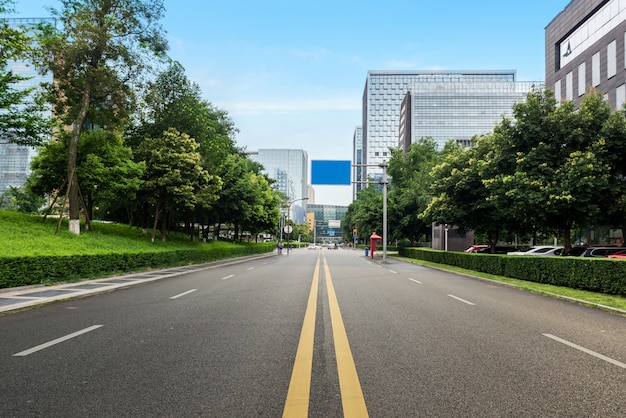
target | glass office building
x=444, y=104
x=458, y=111
x=328, y=219
x=357, y=160
x=15, y=159
x=289, y=168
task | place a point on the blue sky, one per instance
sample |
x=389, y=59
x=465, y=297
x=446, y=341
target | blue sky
x=292, y=75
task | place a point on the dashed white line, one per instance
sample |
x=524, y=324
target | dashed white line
x=228, y=277
x=183, y=294
x=394, y=272
x=586, y=350
x=461, y=300
x=415, y=281
x=250, y=268
x=57, y=341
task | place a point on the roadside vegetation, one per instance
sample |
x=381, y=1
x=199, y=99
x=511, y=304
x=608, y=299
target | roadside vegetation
x=575, y=295
x=32, y=253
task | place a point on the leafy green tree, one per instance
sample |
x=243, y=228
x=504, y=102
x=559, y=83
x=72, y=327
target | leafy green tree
x=22, y=119
x=174, y=179
x=409, y=194
x=108, y=175
x=101, y=50
x=20, y=199
x=246, y=200
x=173, y=101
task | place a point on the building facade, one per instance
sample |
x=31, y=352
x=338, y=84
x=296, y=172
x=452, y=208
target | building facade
x=325, y=220
x=357, y=161
x=585, y=48
x=385, y=97
x=289, y=168
x=15, y=159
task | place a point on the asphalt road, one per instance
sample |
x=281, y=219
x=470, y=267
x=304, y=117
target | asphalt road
x=324, y=333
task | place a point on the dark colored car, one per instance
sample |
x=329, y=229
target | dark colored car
x=593, y=251
x=498, y=250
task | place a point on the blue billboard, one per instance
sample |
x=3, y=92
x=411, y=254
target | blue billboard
x=330, y=172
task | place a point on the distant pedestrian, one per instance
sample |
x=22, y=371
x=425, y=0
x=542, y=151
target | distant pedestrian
x=280, y=248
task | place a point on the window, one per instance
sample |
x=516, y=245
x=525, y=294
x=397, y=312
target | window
x=620, y=96
x=557, y=91
x=582, y=82
x=595, y=69
x=611, y=59
x=569, y=88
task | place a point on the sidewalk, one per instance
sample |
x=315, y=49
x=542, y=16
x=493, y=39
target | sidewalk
x=23, y=297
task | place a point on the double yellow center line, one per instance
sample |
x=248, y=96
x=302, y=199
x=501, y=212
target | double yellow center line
x=297, y=402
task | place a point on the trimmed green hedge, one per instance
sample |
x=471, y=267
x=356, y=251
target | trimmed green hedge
x=29, y=270
x=594, y=274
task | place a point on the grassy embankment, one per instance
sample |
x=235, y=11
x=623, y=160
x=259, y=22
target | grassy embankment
x=30, y=239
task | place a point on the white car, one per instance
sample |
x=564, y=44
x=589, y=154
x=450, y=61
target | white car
x=540, y=250
x=314, y=247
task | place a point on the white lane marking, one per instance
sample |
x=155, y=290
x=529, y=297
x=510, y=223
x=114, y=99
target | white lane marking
x=586, y=350
x=227, y=277
x=394, y=272
x=415, y=281
x=462, y=300
x=250, y=268
x=57, y=341
x=183, y=294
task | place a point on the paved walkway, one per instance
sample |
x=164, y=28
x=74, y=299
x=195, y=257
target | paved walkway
x=23, y=297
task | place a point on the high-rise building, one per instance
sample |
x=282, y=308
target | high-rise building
x=15, y=159
x=445, y=105
x=585, y=48
x=357, y=161
x=289, y=168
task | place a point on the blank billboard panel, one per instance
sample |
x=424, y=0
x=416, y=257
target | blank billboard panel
x=330, y=172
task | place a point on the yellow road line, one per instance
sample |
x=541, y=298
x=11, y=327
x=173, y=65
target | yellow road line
x=351, y=394
x=297, y=402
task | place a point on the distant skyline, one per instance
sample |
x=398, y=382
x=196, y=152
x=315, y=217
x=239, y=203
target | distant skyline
x=292, y=75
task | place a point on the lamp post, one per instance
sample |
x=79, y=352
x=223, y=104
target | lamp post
x=289, y=226
x=384, y=183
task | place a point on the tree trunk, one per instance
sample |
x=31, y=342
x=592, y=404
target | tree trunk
x=156, y=220
x=72, y=177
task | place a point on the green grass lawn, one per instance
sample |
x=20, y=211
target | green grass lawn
x=25, y=235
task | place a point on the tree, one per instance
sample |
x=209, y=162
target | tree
x=409, y=194
x=105, y=169
x=246, y=199
x=21, y=119
x=103, y=46
x=173, y=101
x=174, y=179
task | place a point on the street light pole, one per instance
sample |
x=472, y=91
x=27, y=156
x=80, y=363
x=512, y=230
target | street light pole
x=289, y=230
x=384, y=182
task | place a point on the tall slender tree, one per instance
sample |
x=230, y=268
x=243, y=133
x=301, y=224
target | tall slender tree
x=22, y=118
x=100, y=50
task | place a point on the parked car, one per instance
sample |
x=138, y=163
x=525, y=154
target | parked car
x=600, y=251
x=540, y=250
x=476, y=248
x=314, y=247
x=585, y=250
x=619, y=254
x=498, y=250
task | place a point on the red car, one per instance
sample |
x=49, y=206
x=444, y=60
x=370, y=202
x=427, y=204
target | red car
x=619, y=254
